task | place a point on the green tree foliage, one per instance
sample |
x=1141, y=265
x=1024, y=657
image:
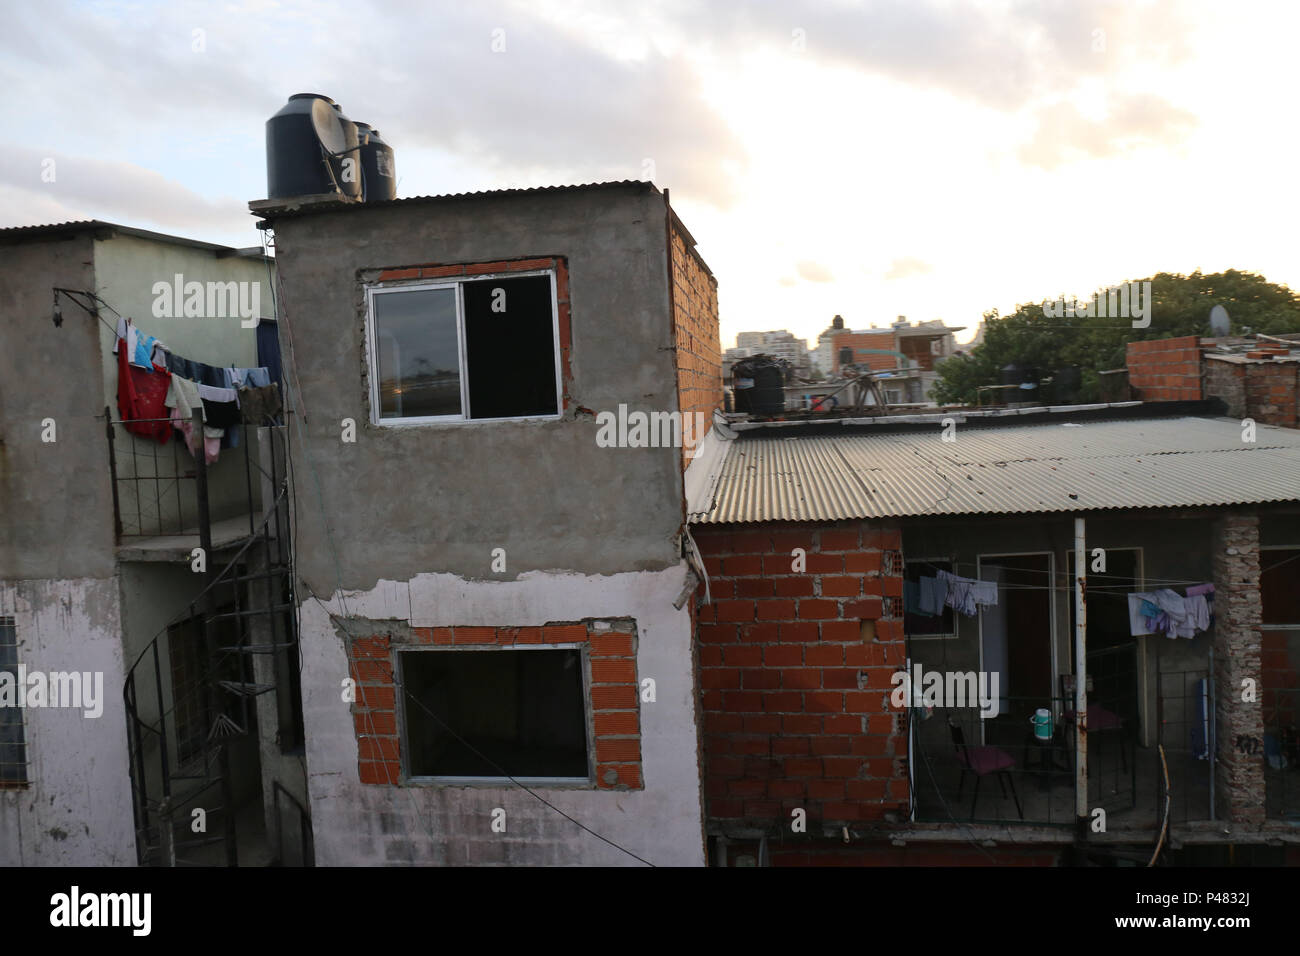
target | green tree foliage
x=1181, y=306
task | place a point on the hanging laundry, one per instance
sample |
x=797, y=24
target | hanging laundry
x=1206, y=591
x=985, y=593
x=261, y=406
x=237, y=378
x=1137, y=620
x=140, y=398
x=933, y=595
x=141, y=349
x=246, y=377
x=195, y=371
x=964, y=594
x=1167, y=612
x=182, y=399
x=911, y=589
x=220, y=406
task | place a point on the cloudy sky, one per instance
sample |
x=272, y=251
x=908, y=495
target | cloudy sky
x=875, y=159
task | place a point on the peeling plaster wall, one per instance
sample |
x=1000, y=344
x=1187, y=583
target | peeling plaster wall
x=77, y=808
x=361, y=824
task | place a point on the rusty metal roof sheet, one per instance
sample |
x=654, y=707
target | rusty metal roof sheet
x=1012, y=469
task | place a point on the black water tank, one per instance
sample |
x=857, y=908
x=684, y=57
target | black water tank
x=767, y=397
x=295, y=164
x=347, y=167
x=378, y=173
x=758, y=382
x=1066, y=383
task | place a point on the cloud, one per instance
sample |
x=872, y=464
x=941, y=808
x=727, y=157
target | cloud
x=1003, y=56
x=86, y=188
x=546, y=107
x=908, y=266
x=1133, y=122
x=811, y=271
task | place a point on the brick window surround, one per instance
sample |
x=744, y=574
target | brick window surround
x=468, y=270
x=615, y=726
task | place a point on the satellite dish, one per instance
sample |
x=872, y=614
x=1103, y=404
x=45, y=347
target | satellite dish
x=329, y=130
x=1219, y=324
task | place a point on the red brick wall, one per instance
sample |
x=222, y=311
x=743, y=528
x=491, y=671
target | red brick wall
x=615, y=699
x=695, y=332
x=795, y=700
x=1271, y=388
x=865, y=340
x=1165, y=370
x=433, y=270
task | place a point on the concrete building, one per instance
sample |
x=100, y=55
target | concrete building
x=502, y=580
x=98, y=530
x=904, y=356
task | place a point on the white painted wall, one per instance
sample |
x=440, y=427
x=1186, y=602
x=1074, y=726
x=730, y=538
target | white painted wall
x=359, y=824
x=77, y=810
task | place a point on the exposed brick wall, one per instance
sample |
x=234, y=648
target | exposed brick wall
x=1226, y=381
x=433, y=270
x=696, y=334
x=1165, y=370
x=795, y=695
x=1271, y=388
x=1237, y=613
x=1262, y=389
x=865, y=340
x=615, y=701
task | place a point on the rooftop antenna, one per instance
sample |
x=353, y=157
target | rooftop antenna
x=1219, y=323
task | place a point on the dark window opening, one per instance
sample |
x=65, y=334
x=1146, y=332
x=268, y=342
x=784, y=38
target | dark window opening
x=517, y=713
x=1279, y=585
x=510, y=347
x=13, y=740
x=915, y=623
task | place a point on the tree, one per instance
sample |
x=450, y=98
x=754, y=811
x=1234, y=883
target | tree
x=1181, y=306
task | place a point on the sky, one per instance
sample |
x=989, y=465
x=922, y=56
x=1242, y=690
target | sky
x=871, y=159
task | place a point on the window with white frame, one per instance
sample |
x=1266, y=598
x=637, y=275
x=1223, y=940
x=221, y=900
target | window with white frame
x=478, y=349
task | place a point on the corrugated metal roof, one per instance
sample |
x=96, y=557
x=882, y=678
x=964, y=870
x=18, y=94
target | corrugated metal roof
x=17, y=234
x=293, y=206
x=1057, y=467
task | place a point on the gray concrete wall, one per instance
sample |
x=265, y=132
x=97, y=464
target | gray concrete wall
x=77, y=809
x=400, y=501
x=56, y=505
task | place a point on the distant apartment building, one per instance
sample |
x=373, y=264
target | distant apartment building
x=779, y=344
x=905, y=356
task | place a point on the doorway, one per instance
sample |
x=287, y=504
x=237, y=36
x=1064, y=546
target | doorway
x=1017, y=635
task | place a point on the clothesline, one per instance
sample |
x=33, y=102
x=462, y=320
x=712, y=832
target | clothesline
x=1068, y=585
x=155, y=383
